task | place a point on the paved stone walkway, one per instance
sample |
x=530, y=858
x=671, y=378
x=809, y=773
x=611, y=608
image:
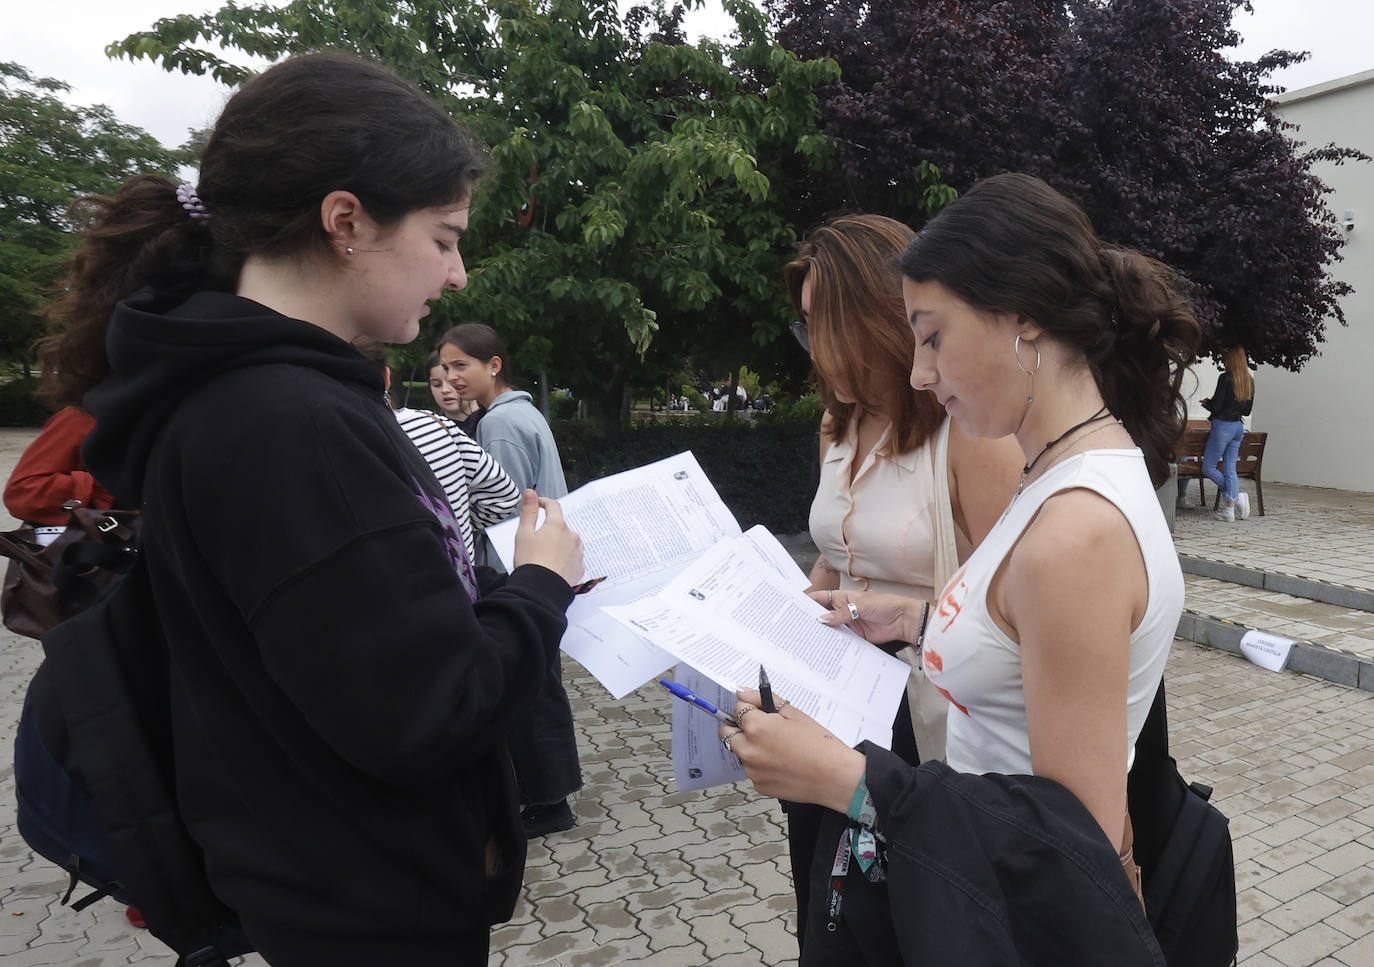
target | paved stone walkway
x=1284, y=614
x=1312, y=531
x=658, y=877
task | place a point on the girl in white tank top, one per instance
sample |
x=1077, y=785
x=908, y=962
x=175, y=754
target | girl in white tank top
x=978, y=667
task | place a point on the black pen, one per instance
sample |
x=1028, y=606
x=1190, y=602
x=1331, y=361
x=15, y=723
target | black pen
x=765, y=692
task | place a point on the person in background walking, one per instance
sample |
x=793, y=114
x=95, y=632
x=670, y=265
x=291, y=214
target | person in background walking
x=513, y=431
x=1232, y=400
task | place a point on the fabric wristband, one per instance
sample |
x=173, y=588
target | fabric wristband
x=862, y=841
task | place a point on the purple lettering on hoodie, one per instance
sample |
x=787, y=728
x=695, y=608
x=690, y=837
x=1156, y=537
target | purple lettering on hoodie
x=453, y=539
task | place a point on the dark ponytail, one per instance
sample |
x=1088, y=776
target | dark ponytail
x=138, y=237
x=1139, y=370
x=1014, y=244
x=308, y=126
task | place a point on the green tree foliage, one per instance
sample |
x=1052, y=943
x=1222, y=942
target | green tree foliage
x=633, y=217
x=52, y=152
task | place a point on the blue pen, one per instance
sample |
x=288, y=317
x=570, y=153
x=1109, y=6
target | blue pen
x=687, y=695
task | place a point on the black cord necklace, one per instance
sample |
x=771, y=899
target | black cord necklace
x=1025, y=471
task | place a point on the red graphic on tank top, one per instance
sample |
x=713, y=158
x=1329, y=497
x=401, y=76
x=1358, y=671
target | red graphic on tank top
x=952, y=599
x=932, y=661
x=950, y=699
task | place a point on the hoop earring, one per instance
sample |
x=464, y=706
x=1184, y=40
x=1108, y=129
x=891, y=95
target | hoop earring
x=1030, y=373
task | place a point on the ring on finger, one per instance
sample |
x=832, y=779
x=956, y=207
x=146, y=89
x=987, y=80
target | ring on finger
x=830, y=600
x=853, y=611
x=726, y=741
x=741, y=712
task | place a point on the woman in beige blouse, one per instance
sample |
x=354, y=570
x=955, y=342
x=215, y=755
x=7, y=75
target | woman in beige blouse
x=904, y=495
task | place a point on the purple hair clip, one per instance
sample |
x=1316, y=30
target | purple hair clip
x=189, y=200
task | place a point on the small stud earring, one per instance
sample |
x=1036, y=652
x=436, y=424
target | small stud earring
x=349, y=251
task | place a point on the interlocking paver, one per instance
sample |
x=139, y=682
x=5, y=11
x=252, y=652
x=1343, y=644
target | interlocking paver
x=1309, y=945
x=720, y=937
x=613, y=952
x=1355, y=920
x=1358, y=954
x=1350, y=887
x=1345, y=859
x=611, y=920
x=692, y=954
x=1303, y=911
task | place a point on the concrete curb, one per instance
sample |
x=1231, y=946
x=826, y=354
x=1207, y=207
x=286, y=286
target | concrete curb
x=1308, y=658
x=1341, y=595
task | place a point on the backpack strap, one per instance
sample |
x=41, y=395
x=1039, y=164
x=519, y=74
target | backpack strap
x=1154, y=734
x=117, y=755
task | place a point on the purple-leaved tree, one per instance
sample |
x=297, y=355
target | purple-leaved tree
x=1130, y=107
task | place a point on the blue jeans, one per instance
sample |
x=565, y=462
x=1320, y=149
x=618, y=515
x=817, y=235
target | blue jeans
x=1223, y=446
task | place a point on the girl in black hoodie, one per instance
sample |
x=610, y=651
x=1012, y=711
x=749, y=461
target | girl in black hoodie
x=342, y=676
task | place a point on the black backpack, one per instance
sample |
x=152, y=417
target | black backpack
x=1183, y=846
x=94, y=778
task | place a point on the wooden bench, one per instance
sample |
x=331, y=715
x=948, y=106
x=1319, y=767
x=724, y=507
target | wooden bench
x=1191, y=446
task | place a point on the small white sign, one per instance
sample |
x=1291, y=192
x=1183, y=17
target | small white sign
x=1266, y=650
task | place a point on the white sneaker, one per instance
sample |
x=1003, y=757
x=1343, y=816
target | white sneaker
x=1242, y=505
x=1227, y=513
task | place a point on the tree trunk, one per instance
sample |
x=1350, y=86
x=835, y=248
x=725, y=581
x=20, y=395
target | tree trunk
x=731, y=395
x=610, y=405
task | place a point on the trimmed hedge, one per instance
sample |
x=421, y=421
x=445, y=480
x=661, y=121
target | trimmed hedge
x=766, y=473
x=19, y=406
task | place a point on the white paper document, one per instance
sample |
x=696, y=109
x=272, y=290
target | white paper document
x=683, y=585
x=638, y=529
x=699, y=759
x=730, y=611
x=1266, y=650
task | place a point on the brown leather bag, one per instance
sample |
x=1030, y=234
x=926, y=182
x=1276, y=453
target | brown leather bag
x=45, y=586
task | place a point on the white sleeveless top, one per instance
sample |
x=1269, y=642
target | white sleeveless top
x=891, y=529
x=979, y=668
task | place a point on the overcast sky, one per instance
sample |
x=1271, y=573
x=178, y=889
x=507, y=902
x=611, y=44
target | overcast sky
x=67, y=41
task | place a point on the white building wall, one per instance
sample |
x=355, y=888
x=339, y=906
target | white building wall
x=1320, y=421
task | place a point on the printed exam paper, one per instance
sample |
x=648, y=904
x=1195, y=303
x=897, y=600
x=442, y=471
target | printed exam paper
x=684, y=585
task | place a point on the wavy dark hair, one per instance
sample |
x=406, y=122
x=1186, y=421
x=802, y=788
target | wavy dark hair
x=1014, y=244
x=308, y=126
x=857, y=327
